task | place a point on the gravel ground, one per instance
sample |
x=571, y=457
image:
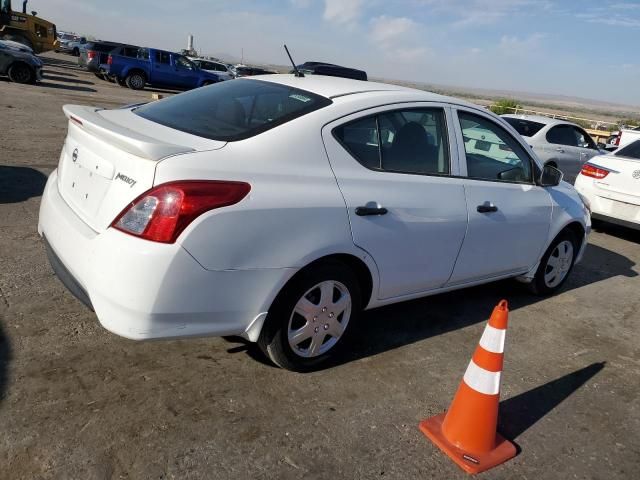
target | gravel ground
x=79, y=402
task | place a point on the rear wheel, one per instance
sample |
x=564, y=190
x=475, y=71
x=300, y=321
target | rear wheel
x=556, y=264
x=120, y=81
x=310, y=321
x=135, y=81
x=75, y=52
x=21, y=73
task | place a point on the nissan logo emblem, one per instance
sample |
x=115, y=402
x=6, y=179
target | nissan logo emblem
x=74, y=155
x=636, y=174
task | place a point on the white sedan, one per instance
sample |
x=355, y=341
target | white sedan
x=279, y=207
x=611, y=184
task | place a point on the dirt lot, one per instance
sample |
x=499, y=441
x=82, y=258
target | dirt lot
x=79, y=402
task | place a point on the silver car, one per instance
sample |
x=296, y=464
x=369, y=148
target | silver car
x=558, y=143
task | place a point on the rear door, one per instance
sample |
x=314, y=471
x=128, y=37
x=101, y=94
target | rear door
x=162, y=72
x=562, y=149
x=509, y=216
x=396, y=168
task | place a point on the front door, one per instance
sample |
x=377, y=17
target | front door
x=395, y=167
x=186, y=72
x=509, y=216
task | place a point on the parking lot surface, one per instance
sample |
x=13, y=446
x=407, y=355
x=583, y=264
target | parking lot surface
x=79, y=402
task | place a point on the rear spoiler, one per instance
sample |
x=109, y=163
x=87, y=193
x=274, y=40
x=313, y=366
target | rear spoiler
x=124, y=138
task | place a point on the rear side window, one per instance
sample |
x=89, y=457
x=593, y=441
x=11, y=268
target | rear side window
x=526, y=128
x=401, y=141
x=562, y=135
x=231, y=111
x=632, y=150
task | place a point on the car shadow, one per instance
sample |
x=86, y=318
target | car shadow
x=18, y=184
x=5, y=359
x=67, y=87
x=57, y=78
x=623, y=233
x=56, y=62
x=395, y=326
x=519, y=413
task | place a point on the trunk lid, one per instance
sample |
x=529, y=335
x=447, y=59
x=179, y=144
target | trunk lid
x=623, y=182
x=109, y=158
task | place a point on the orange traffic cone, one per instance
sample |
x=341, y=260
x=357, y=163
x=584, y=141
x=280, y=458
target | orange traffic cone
x=467, y=432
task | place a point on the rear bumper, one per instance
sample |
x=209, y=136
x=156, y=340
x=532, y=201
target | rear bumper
x=143, y=290
x=608, y=209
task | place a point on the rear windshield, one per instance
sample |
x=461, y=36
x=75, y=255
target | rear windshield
x=232, y=110
x=631, y=151
x=526, y=128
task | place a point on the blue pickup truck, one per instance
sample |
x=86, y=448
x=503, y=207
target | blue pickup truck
x=136, y=67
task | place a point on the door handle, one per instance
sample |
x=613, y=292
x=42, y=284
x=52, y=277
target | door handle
x=486, y=208
x=559, y=149
x=367, y=211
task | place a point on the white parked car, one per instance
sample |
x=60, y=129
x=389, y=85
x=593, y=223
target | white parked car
x=558, y=143
x=279, y=208
x=611, y=184
x=220, y=69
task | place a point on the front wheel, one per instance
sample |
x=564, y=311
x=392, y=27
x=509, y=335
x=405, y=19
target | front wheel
x=556, y=264
x=310, y=321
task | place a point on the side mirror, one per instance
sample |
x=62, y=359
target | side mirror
x=551, y=177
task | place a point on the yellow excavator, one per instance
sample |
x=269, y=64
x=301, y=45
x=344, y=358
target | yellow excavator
x=28, y=29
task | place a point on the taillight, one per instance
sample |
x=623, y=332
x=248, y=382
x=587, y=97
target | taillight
x=589, y=170
x=109, y=60
x=91, y=54
x=162, y=213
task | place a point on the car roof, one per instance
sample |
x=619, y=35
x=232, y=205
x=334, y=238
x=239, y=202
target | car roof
x=539, y=119
x=332, y=87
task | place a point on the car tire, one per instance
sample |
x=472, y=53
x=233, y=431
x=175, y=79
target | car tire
x=99, y=75
x=322, y=305
x=21, y=73
x=556, y=264
x=135, y=81
x=120, y=81
x=75, y=52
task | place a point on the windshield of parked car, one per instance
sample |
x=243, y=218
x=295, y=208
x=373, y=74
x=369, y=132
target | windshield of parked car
x=526, y=128
x=233, y=110
x=631, y=151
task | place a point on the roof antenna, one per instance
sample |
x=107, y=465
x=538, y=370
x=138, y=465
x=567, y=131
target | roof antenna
x=297, y=72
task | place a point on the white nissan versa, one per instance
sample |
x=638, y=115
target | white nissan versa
x=279, y=207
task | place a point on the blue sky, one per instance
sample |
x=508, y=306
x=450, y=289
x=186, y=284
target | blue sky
x=584, y=48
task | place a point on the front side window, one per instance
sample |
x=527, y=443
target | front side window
x=230, y=111
x=562, y=135
x=402, y=141
x=184, y=63
x=491, y=152
x=583, y=139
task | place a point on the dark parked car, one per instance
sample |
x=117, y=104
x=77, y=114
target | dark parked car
x=95, y=53
x=251, y=71
x=331, y=70
x=19, y=64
